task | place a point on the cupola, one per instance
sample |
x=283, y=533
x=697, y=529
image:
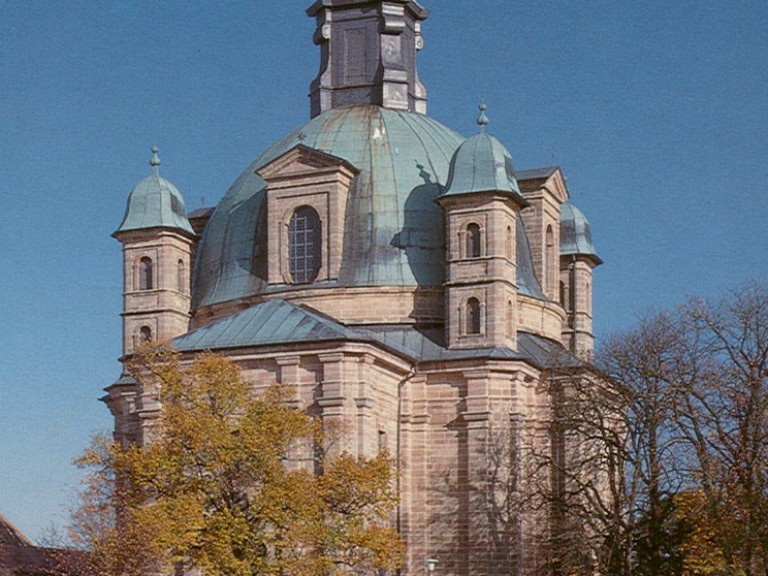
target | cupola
x=157, y=241
x=575, y=234
x=577, y=261
x=483, y=164
x=155, y=203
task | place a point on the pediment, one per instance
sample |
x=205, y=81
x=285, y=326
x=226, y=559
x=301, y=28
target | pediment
x=551, y=179
x=557, y=185
x=303, y=160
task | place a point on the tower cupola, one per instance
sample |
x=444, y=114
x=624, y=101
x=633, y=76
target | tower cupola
x=368, y=54
x=155, y=203
x=481, y=205
x=576, y=234
x=483, y=164
x=157, y=241
x=578, y=259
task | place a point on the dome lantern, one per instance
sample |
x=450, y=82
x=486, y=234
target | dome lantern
x=368, y=54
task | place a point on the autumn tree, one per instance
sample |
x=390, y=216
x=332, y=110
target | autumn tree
x=723, y=418
x=581, y=480
x=650, y=366
x=232, y=483
x=699, y=550
x=663, y=453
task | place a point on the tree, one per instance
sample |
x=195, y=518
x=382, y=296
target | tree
x=661, y=457
x=612, y=450
x=650, y=366
x=701, y=555
x=724, y=420
x=232, y=483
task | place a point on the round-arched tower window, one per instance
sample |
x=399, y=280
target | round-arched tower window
x=473, y=241
x=146, y=276
x=473, y=316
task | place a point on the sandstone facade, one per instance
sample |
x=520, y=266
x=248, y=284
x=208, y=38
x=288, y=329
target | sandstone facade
x=412, y=288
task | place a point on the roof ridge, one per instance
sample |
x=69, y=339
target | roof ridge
x=10, y=534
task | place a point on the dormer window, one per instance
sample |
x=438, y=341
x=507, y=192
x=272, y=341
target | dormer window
x=307, y=194
x=146, y=275
x=304, y=245
x=473, y=239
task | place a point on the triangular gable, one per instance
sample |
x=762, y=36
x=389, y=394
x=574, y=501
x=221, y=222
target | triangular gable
x=557, y=185
x=551, y=178
x=302, y=159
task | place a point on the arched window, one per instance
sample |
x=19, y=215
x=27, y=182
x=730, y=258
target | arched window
x=181, y=277
x=509, y=244
x=473, y=241
x=473, y=316
x=304, y=245
x=510, y=319
x=145, y=333
x=563, y=295
x=549, y=263
x=146, y=276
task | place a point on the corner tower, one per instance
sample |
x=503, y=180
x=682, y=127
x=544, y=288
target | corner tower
x=368, y=54
x=577, y=261
x=481, y=207
x=157, y=241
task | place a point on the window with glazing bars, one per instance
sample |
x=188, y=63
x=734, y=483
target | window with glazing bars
x=473, y=316
x=146, y=280
x=304, y=255
x=473, y=241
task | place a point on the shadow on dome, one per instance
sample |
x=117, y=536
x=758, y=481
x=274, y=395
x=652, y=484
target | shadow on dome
x=422, y=236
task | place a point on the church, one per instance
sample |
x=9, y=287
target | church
x=411, y=286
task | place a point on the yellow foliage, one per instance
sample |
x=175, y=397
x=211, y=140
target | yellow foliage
x=212, y=489
x=702, y=554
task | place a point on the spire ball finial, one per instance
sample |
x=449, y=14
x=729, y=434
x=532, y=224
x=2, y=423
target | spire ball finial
x=483, y=120
x=155, y=161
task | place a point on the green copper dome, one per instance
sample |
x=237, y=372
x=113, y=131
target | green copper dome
x=482, y=164
x=394, y=230
x=576, y=234
x=155, y=203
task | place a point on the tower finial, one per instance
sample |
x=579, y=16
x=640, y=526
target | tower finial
x=155, y=161
x=482, y=120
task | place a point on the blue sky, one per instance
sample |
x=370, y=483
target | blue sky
x=657, y=112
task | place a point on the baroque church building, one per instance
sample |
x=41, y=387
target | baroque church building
x=410, y=285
